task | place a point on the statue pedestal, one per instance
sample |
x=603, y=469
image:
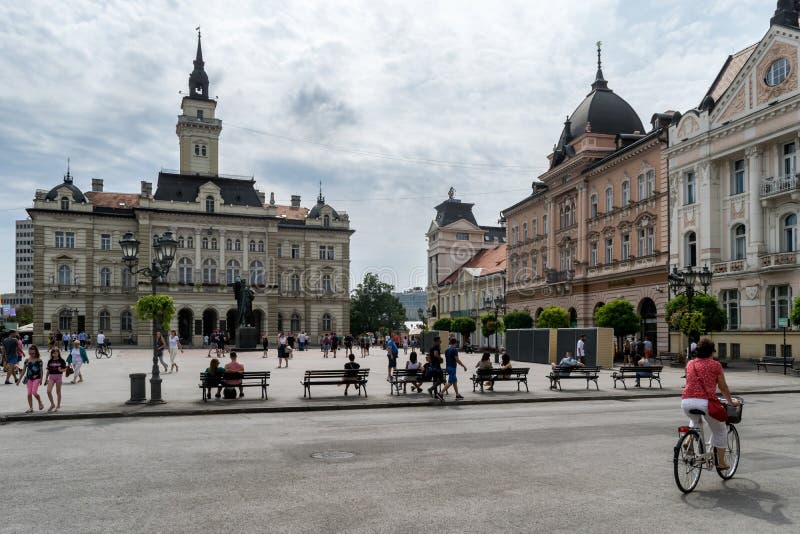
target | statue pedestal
x=247, y=337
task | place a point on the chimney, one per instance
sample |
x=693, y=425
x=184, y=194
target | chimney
x=97, y=185
x=147, y=189
x=262, y=197
x=295, y=201
x=272, y=198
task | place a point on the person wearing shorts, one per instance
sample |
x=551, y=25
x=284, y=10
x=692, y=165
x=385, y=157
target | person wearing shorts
x=32, y=376
x=391, y=354
x=451, y=361
x=56, y=366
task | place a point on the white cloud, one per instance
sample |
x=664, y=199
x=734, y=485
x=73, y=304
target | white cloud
x=473, y=82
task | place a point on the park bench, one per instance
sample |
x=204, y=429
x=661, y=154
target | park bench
x=519, y=374
x=402, y=377
x=559, y=373
x=652, y=373
x=250, y=379
x=335, y=377
x=773, y=361
x=668, y=357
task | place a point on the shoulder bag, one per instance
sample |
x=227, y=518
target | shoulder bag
x=715, y=407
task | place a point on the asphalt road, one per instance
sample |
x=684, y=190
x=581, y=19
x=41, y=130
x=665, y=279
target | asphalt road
x=595, y=466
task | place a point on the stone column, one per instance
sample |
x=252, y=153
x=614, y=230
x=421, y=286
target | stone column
x=198, y=266
x=221, y=274
x=754, y=215
x=581, y=206
x=245, y=260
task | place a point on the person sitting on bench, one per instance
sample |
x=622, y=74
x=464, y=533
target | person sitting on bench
x=504, y=365
x=568, y=361
x=484, y=365
x=351, y=374
x=644, y=362
x=215, y=375
x=233, y=374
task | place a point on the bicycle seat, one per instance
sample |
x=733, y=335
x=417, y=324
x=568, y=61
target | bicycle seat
x=697, y=412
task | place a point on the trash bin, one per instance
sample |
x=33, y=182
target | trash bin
x=138, y=390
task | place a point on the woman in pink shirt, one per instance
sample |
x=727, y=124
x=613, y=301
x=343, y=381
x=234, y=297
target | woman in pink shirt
x=233, y=373
x=703, y=375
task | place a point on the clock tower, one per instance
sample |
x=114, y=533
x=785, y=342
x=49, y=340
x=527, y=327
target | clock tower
x=197, y=129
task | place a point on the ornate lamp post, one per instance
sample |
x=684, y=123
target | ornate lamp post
x=498, y=303
x=683, y=282
x=164, y=247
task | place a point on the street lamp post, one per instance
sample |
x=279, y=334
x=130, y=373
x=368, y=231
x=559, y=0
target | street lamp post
x=164, y=247
x=497, y=304
x=683, y=282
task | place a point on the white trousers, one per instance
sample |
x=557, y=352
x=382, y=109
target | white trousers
x=719, y=430
x=172, y=354
x=76, y=366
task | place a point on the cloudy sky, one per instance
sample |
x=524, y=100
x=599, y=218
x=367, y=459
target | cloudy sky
x=388, y=103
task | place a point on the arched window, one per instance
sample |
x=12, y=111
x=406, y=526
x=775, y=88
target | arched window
x=209, y=271
x=626, y=192
x=65, y=321
x=261, y=246
x=204, y=243
x=64, y=275
x=251, y=246
x=739, y=249
x=190, y=242
x=213, y=243
x=326, y=283
x=294, y=283
x=641, y=187
x=256, y=273
x=567, y=215
x=237, y=245
x=104, y=320
x=326, y=221
x=229, y=244
x=295, y=326
x=64, y=203
x=730, y=302
x=327, y=324
x=105, y=277
x=651, y=183
x=609, y=199
x=128, y=278
x=789, y=233
x=126, y=321
x=185, y=271
x=524, y=232
x=209, y=204
x=690, y=250
x=232, y=271
x=181, y=242
x=593, y=205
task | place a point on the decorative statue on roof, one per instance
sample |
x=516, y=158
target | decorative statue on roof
x=451, y=193
x=244, y=300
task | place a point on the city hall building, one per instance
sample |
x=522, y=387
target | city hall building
x=297, y=260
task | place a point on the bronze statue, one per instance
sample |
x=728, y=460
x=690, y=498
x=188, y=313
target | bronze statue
x=244, y=300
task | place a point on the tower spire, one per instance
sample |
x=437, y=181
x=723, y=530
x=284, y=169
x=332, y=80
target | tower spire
x=198, y=79
x=599, y=81
x=320, y=198
x=68, y=176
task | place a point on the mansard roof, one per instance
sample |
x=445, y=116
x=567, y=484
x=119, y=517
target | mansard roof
x=185, y=188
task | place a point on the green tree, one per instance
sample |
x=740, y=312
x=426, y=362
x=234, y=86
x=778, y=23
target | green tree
x=160, y=308
x=24, y=314
x=463, y=325
x=518, y=319
x=794, y=316
x=714, y=317
x=490, y=325
x=372, y=306
x=553, y=317
x=444, y=324
x=619, y=315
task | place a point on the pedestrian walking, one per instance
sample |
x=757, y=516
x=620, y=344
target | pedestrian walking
x=161, y=345
x=77, y=357
x=174, y=346
x=391, y=354
x=56, y=366
x=452, y=360
x=580, y=349
x=32, y=377
x=265, y=344
x=326, y=345
x=13, y=355
x=282, y=349
x=66, y=340
x=435, y=369
x=334, y=343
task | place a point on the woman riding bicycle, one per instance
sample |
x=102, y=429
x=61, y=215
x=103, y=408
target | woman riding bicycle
x=703, y=375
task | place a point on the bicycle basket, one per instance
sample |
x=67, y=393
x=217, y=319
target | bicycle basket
x=734, y=412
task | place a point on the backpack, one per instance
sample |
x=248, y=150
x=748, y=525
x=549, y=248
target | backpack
x=229, y=393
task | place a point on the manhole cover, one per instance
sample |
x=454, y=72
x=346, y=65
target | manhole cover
x=332, y=455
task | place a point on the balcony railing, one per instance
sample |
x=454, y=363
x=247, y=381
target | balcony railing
x=723, y=267
x=771, y=186
x=555, y=277
x=778, y=260
x=186, y=119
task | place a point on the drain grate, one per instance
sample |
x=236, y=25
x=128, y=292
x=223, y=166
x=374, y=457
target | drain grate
x=332, y=455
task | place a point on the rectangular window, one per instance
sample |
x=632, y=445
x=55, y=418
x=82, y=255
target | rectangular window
x=544, y=225
x=609, y=259
x=641, y=187
x=322, y=252
x=769, y=350
x=593, y=207
x=651, y=183
x=279, y=252
x=730, y=303
x=196, y=150
x=59, y=239
x=651, y=240
x=626, y=193
x=779, y=301
x=722, y=350
x=331, y=253
x=789, y=159
x=105, y=242
x=200, y=114
x=462, y=237
x=295, y=251
x=690, y=189
x=534, y=228
x=737, y=180
x=70, y=239
x=593, y=254
x=626, y=246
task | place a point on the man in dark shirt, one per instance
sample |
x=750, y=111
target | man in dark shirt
x=435, y=355
x=451, y=361
x=351, y=374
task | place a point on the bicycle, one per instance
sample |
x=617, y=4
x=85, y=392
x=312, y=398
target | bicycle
x=690, y=456
x=103, y=350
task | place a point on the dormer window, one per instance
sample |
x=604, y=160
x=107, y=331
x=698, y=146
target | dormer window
x=64, y=203
x=209, y=204
x=196, y=150
x=203, y=150
x=200, y=114
x=326, y=221
x=778, y=72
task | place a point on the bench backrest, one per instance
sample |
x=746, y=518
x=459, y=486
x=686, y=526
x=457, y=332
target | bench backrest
x=570, y=369
x=634, y=369
x=776, y=359
x=243, y=374
x=337, y=373
x=513, y=371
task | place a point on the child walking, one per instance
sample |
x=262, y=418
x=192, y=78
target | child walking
x=32, y=377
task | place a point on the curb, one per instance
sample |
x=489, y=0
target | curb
x=330, y=407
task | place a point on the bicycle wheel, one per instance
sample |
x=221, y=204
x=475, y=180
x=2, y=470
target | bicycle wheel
x=98, y=353
x=732, y=454
x=688, y=463
x=108, y=352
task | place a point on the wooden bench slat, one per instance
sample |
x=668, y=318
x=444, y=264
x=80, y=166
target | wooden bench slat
x=329, y=377
x=558, y=373
x=626, y=371
x=249, y=379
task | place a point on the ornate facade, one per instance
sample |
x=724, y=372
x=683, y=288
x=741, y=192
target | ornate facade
x=296, y=259
x=734, y=183
x=595, y=225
